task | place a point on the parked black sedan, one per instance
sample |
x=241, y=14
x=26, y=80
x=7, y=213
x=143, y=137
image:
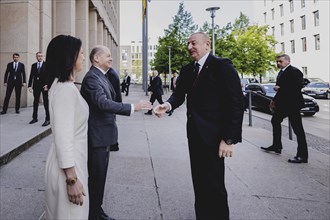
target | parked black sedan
x=317, y=90
x=262, y=94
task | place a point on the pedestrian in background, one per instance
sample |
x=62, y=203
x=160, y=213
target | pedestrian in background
x=14, y=78
x=156, y=89
x=102, y=128
x=38, y=84
x=173, y=86
x=66, y=172
x=126, y=83
x=215, y=106
x=287, y=103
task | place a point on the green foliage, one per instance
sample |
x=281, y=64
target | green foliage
x=176, y=37
x=249, y=46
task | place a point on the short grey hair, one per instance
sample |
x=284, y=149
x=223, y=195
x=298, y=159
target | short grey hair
x=285, y=56
x=97, y=50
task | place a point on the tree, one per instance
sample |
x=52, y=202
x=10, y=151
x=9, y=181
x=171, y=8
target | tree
x=175, y=37
x=249, y=47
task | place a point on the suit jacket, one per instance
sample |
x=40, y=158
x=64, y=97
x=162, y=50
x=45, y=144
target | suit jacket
x=115, y=82
x=156, y=86
x=37, y=80
x=214, y=100
x=289, y=95
x=99, y=94
x=127, y=81
x=10, y=73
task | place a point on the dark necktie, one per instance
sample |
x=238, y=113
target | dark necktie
x=196, y=69
x=15, y=67
x=38, y=67
x=279, y=74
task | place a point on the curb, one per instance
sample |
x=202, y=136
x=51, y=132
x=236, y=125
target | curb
x=7, y=157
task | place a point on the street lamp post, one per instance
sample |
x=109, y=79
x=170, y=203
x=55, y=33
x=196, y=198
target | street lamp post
x=169, y=64
x=212, y=11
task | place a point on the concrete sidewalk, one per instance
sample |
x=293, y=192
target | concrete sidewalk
x=149, y=177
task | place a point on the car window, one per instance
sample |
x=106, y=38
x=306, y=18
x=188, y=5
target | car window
x=269, y=88
x=317, y=85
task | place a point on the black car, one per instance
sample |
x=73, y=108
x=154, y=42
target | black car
x=317, y=90
x=262, y=94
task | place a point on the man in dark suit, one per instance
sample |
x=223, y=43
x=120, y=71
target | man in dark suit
x=115, y=82
x=14, y=78
x=287, y=103
x=156, y=89
x=215, y=106
x=102, y=129
x=38, y=84
x=126, y=83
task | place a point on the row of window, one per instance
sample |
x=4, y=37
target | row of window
x=138, y=48
x=316, y=15
x=302, y=4
x=317, y=44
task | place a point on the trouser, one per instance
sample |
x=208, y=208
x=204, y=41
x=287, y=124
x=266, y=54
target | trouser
x=208, y=176
x=9, y=90
x=98, y=160
x=36, y=93
x=155, y=97
x=297, y=126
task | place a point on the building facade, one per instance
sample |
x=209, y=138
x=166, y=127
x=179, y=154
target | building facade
x=131, y=59
x=301, y=28
x=27, y=26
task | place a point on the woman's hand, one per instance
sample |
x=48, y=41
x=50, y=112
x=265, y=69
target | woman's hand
x=76, y=193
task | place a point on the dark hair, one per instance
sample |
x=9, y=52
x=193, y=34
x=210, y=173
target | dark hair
x=61, y=56
x=15, y=54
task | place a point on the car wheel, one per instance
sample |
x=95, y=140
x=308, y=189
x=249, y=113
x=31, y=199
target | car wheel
x=328, y=95
x=309, y=113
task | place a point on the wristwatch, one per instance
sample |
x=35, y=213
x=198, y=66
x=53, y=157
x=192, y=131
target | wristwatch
x=228, y=141
x=71, y=181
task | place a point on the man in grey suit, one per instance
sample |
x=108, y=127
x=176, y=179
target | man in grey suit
x=102, y=129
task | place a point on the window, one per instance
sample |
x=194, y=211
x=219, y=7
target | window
x=291, y=6
x=273, y=13
x=303, y=4
x=273, y=31
x=265, y=17
x=315, y=1
x=304, y=70
x=281, y=10
x=317, y=41
x=303, y=22
x=282, y=29
x=265, y=3
x=304, y=44
x=282, y=47
x=293, y=47
x=292, y=26
x=316, y=18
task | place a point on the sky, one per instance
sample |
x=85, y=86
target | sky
x=161, y=13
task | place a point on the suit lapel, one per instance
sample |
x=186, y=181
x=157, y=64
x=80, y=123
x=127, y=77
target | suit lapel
x=107, y=85
x=203, y=71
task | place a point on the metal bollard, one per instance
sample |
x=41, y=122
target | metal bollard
x=250, y=108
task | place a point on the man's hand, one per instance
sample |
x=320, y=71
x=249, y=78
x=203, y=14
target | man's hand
x=142, y=104
x=30, y=89
x=24, y=84
x=5, y=84
x=45, y=88
x=161, y=109
x=272, y=105
x=276, y=88
x=225, y=150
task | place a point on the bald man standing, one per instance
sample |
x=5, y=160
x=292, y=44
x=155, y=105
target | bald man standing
x=215, y=109
x=102, y=129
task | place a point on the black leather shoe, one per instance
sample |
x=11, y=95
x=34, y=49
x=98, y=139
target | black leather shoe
x=148, y=113
x=170, y=113
x=33, y=121
x=114, y=147
x=272, y=148
x=3, y=112
x=17, y=111
x=297, y=160
x=45, y=123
